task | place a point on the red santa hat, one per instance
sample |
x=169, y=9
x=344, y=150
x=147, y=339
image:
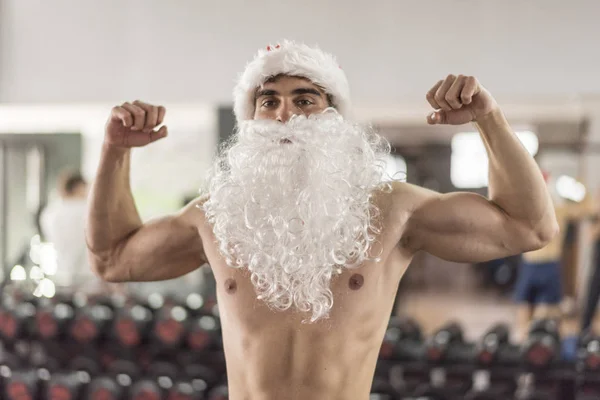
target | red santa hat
x=293, y=59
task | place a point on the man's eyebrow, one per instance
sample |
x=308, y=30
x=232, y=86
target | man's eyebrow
x=306, y=91
x=295, y=92
x=265, y=92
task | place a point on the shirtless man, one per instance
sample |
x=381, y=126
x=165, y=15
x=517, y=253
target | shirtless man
x=306, y=244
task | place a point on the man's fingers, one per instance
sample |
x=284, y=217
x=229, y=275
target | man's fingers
x=453, y=96
x=139, y=116
x=122, y=115
x=151, y=115
x=141, y=138
x=161, y=114
x=431, y=95
x=470, y=89
x=159, y=134
x=437, y=117
x=440, y=94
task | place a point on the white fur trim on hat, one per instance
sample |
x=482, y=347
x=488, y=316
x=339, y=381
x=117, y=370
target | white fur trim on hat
x=292, y=59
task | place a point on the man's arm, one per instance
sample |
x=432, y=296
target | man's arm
x=517, y=217
x=121, y=247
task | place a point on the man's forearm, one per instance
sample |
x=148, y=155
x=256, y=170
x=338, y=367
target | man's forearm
x=112, y=215
x=516, y=183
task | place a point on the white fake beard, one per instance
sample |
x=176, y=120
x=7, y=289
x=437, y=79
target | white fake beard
x=296, y=213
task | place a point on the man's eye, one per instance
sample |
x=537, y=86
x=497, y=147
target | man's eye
x=268, y=103
x=304, y=102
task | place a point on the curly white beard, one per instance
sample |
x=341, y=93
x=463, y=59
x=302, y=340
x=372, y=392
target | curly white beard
x=292, y=203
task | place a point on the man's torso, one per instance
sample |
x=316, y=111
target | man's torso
x=275, y=355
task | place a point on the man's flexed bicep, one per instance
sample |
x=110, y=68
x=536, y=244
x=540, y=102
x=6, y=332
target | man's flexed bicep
x=161, y=249
x=462, y=227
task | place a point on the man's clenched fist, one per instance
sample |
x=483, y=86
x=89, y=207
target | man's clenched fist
x=134, y=124
x=458, y=100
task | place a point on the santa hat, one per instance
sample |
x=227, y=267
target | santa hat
x=294, y=59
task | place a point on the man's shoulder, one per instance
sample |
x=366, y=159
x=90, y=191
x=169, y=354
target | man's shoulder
x=407, y=195
x=193, y=212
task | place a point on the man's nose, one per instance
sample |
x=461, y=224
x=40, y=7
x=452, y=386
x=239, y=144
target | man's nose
x=285, y=112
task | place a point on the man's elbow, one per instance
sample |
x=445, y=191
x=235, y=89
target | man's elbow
x=107, y=268
x=542, y=234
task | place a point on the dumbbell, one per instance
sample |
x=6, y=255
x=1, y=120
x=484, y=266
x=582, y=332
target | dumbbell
x=131, y=326
x=542, y=346
x=495, y=353
x=203, y=333
x=91, y=324
x=67, y=385
x=18, y=322
x=403, y=340
x=52, y=321
x=21, y=384
x=588, y=366
x=488, y=348
x=105, y=388
x=588, y=352
x=88, y=333
x=146, y=389
x=447, y=346
x=170, y=327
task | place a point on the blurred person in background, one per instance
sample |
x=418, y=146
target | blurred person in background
x=593, y=289
x=62, y=223
x=540, y=281
x=306, y=243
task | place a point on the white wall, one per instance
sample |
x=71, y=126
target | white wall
x=392, y=51
x=161, y=173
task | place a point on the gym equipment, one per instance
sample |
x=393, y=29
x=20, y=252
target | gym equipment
x=445, y=347
x=542, y=345
x=105, y=388
x=170, y=328
x=146, y=389
x=91, y=324
x=203, y=333
x=67, y=386
x=497, y=357
x=403, y=340
x=131, y=325
x=22, y=385
x=588, y=366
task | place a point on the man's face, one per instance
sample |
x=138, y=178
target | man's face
x=284, y=96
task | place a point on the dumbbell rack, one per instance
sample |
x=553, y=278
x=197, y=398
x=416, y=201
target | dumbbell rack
x=447, y=367
x=62, y=348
